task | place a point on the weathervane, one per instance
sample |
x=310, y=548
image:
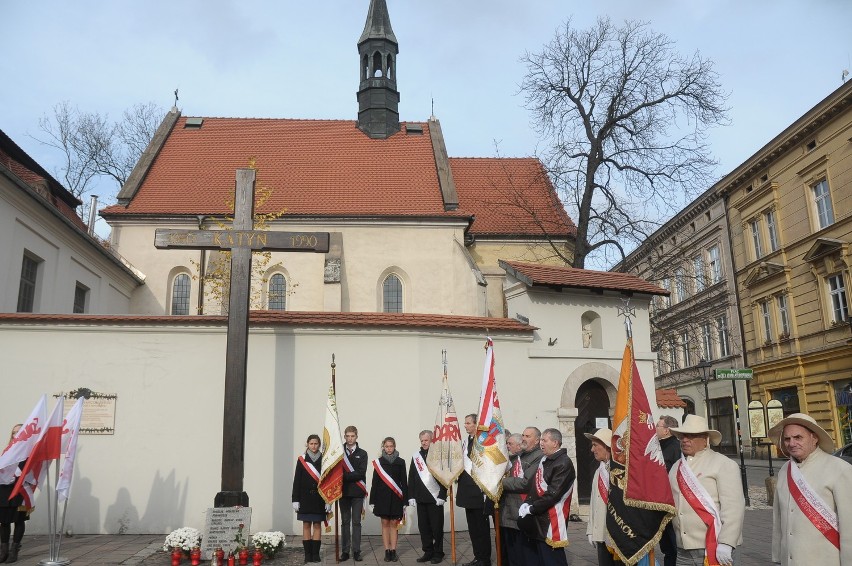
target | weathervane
x=627, y=312
x=176, y=97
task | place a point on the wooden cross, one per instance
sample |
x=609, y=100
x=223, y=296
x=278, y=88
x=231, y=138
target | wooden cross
x=242, y=240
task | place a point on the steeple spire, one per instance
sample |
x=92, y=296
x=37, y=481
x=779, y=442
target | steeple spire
x=378, y=99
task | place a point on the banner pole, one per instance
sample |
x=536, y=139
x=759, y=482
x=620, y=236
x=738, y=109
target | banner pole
x=497, y=544
x=452, y=526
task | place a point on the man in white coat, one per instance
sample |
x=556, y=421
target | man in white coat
x=596, y=529
x=708, y=496
x=812, y=510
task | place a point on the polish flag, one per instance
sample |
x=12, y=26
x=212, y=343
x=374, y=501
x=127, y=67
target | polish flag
x=47, y=448
x=21, y=445
x=69, y=447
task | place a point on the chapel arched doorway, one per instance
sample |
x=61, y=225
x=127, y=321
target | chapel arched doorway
x=592, y=403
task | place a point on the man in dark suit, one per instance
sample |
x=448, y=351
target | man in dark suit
x=428, y=497
x=354, y=491
x=671, y=454
x=471, y=498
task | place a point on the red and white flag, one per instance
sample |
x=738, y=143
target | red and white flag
x=489, y=457
x=331, y=475
x=47, y=448
x=69, y=447
x=21, y=445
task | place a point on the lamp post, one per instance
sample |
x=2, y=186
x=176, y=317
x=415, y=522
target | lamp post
x=704, y=365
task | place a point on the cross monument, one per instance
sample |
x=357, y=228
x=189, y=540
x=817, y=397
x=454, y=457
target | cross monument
x=242, y=240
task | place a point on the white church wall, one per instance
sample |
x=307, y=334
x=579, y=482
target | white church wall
x=65, y=258
x=161, y=468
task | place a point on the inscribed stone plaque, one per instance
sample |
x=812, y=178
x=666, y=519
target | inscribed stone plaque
x=98, y=410
x=221, y=529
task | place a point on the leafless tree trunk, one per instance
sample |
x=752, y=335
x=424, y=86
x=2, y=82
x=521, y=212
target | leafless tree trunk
x=625, y=117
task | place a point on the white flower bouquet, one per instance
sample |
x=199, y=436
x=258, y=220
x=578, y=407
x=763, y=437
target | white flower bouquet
x=185, y=538
x=268, y=542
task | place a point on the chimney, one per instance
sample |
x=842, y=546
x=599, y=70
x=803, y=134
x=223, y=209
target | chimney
x=93, y=211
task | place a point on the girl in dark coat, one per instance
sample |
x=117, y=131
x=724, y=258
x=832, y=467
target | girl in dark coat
x=12, y=511
x=307, y=502
x=389, y=495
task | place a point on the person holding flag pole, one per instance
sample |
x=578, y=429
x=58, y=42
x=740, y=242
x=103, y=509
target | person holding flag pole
x=331, y=473
x=640, y=500
x=490, y=456
x=445, y=458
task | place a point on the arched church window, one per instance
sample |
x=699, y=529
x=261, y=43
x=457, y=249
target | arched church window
x=365, y=68
x=378, y=68
x=392, y=294
x=277, y=293
x=180, y=294
x=390, y=67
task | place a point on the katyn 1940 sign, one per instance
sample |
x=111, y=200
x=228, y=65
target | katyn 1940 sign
x=736, y=374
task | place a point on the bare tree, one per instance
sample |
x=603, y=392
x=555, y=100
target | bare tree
x=625, y=118
x=93, y=146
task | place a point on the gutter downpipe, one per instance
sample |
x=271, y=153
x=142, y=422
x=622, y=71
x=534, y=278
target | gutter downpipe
x=201, y=270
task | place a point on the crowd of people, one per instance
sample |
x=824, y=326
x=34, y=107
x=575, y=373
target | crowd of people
x=811, y=513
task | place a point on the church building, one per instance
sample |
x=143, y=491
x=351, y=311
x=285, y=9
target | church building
x=426, y=253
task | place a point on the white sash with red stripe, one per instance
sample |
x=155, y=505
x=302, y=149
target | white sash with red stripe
x=310, y=468
x=699, y=499
x=377, y=466
x=603, y=482
x=812, y=505
x=426, y=476
x=518, y=472
x=468, y=465
x=350, y=468
x=557, y=516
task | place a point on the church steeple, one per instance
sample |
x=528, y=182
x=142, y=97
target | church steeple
x=378, y=99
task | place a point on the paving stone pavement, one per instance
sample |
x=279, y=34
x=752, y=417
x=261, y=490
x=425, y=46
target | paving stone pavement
x=146, y=550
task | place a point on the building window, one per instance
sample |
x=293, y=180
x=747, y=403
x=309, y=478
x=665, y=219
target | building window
x=392, y=294
x=837, y=293
x=783, y=315
x=277, y=295
x=27, y=286
x=789, y=399
x=180, y=295
x=672, y=355
x=700, y=274
x=822, y=200
x=706, y=342
x=81, y=295
x=667, y=299
x=681, y=284
x=715, y=265
x=766, y=316
x=684, y=349
x=724, y=337
x=772, y=230
x=755, y=238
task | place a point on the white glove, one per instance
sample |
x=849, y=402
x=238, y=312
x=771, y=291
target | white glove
x=372, y=507
x=591, y=541
x=412, y=503
x=328, y=507
x=296, y=506
x=439, y=502
x=524, y=510
x=723, y=555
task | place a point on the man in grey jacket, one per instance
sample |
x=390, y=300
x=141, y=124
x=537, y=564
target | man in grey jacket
x=519, y=549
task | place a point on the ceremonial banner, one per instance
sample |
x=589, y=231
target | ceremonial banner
x=445, y=458
x=20, y=447
x=47, y=448
x=640, y=498
x=70, y=433
x=489, y=457
x=331, y=475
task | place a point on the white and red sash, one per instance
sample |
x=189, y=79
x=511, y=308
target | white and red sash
x=426, y=476
x=699, y=499
x=377, y=466
x=812, y=505
x=310, y=468
x=350, y=468
x=518, y=472
x=557, y=516
x=603, y=482
x=468, y=465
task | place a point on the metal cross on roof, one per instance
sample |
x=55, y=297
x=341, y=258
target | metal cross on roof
x=627, y=312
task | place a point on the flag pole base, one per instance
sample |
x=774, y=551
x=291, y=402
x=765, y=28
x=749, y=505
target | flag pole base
x=58, y=562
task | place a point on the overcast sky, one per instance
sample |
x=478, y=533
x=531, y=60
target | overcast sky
x=288, y=59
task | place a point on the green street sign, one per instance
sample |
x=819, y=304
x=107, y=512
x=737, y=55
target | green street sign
x=735, y=374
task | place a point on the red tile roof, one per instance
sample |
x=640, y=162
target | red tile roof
x=535, y=274
x=291, y=318
x=669, y=399
x=330, y=168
